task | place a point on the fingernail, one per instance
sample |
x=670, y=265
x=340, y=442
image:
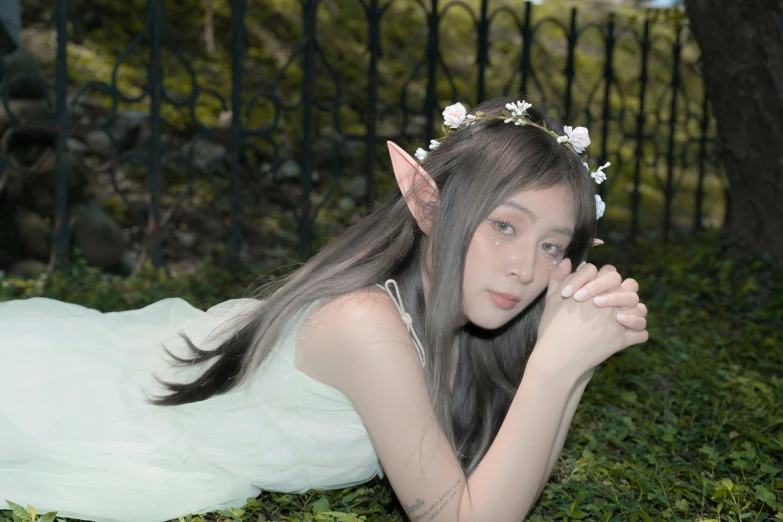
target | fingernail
x=567, y=291
x=583, y=263
x=600, y=300
x=581, y=294
x=622, y=318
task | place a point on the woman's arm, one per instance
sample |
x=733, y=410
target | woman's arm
x=360, y=346
x=595, y=287
x=627, y=302
x=507, y=482
x=565, y=425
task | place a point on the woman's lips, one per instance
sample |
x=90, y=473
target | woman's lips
x=504, y=301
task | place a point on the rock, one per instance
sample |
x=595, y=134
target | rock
x=34, y=233
x=128, y=262
x=98, y=236
x=356, y=187
x=346, y=204
x=207, y=155
x=99, y=142
x=30, y=154
x=288, y=170
x=324, y=150
x=225, y=119
x=74, y=145
x=416, y=124
x=14, y=182
x=22, y=76
x=144, y=139
x=185, y=238
x=41, y=181
x=42, y=199
x=78, y=112
x=125, y=127
x=25, y=111
x=26, y=269
x=291, y=171
x=349, y=149
x=129, y=120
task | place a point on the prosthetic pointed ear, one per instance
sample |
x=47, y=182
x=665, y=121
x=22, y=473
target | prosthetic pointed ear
x=597, y=242
x=417, y=187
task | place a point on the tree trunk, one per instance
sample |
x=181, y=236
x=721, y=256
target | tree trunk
x=742, y=55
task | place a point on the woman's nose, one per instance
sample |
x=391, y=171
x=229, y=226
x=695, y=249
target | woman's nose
x=521, y=269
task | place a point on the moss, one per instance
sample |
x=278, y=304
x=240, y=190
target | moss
x=688, y=426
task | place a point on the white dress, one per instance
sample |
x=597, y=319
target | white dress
x=77, y=436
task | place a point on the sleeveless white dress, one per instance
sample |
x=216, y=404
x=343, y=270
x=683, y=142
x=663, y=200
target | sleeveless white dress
x=77, y=435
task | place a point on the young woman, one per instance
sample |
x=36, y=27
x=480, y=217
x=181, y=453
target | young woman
x=444, y=340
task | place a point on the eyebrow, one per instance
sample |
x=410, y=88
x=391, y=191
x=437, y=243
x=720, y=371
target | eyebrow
x=529, y=213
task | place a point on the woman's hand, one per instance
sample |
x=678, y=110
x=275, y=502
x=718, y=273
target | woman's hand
x=606, y=290
x=575, y=336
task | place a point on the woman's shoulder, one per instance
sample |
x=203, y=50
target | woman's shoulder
x=347, y=332
x=357, y=308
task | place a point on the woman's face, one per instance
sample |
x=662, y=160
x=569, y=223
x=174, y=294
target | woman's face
x=512, y=253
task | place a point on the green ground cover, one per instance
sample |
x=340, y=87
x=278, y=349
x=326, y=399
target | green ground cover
x=688, y=426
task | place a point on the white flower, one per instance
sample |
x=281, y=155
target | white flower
x=421, y=154
x=599, y=175
x=434, y=144
x=454, y=115
x=579, y=138
x=563, y=139
x=518, y=112
x=519, y=107
x=600, y=206
x=472, y=118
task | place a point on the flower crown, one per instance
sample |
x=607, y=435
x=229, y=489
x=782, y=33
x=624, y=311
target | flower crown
x=456, y=117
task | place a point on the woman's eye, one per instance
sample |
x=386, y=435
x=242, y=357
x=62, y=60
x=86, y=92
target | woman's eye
x=553, y=249
x=503, y=227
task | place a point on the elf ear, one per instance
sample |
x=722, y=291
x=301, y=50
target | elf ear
x=597, y=242
x=417, y=187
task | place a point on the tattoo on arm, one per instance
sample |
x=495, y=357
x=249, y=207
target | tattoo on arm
x=434, y=509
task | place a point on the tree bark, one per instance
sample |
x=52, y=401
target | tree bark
x=742, y=58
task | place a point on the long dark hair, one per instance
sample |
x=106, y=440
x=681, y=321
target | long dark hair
x=475, y=169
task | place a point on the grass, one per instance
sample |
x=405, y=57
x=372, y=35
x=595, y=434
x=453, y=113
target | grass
x=688, y=426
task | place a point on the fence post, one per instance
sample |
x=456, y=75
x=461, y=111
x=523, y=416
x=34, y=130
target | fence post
x=155, y=82
x=640, y=121
x=668, y=193
x=371, y=114
x=309, y=12
x=482, y=54
x=431, y=102
x=527, y=35
x=569, y=69
x=62, y=227
x=235, y=239
x=608, y=78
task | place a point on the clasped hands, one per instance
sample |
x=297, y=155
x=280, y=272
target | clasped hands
x=607, y=289
x=576, y=335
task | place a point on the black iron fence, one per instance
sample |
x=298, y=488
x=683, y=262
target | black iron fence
x=282, y=96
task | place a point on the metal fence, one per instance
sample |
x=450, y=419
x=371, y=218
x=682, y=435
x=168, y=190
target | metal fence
x=631, y=78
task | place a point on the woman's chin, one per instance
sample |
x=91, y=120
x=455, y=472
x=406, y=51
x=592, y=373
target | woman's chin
x=492, y=321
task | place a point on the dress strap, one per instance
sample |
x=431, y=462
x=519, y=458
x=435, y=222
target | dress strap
x=406, y=317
